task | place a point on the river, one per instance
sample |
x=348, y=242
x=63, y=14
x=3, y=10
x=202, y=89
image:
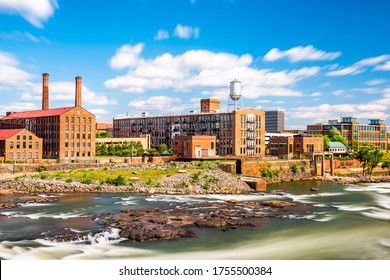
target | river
x=342, y=222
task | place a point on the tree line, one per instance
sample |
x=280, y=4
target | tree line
x=128, y=149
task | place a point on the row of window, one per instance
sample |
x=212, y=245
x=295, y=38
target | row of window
x=72, y=119
x=17, y=155
x=24, y=137
x=72, y=135
x=72, y=154
x=72, y=144
x=77, y=127
x=24, y=145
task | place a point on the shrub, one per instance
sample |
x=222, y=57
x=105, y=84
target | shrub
x=294, y=168
x=200, y=164
x=118, y=181
x=195, y=177
x=303, y=168
x=149, y=183
x=206, y=185
x=69, y=180
x=41, y=168
x=44, y=176
x=87, y=181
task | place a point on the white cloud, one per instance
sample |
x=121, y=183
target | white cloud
x=17, y=107
x=316, y=94
x=325, y=112
x=338, y=92
x=11, y=76
x=35, y=12
x=359, y=67
x=383, y=67
x=263, y=101
x=161, y=35
x=126, y=56
x=202, y=68
x=163, y=103
x=19, y=36
x=300, y=54
x=65, y=91
x=375, y=82
x=186, y=32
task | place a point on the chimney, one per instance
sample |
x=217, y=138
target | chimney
x=45, y=91
x=78, y=92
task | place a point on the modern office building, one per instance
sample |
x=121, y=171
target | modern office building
x=239, y=132
x=373, y=133
x=68, y=133
x=274, y=121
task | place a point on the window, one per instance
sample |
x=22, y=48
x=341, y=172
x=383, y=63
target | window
x=24, y=137
x=36, y=145
x=78, y=120
x=29, y=154
x=17, y=155
x=83, y=120
x=66, y=119
x=66, y=136
x=11, y=144
x=30, y=137
x=66, y=144
x=18, y=137
x=18, y=145
x=71, y=153
x=89, y=120
x=36, y=154
x=66, y=154
x=72, y=127
x=89, y=136
x=24, y=145
x=66, y=127
x=11, y=155
x=72, y=119
x=30, y=145
x=72, y=136
x=83, y=136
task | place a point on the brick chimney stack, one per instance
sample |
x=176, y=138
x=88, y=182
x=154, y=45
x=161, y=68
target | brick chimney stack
x=78, y=92
x=45, y=91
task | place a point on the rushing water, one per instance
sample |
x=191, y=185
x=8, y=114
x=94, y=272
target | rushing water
x=342, y=222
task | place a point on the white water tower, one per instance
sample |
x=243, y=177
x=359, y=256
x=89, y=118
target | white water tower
x=235, y=94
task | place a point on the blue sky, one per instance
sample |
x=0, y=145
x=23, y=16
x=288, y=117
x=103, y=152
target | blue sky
x=317, y=60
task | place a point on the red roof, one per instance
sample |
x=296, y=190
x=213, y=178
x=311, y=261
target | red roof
x=38, y=113
x=7, y=133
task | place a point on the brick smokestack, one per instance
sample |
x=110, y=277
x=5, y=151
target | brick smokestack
x=45, y=91
x=78, y=92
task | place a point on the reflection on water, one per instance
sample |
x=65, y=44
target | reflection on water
x=342, y=222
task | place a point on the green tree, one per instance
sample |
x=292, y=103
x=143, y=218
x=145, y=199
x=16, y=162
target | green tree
x=386, y=164
x=335, y=136
x=370, y=156
x=163, y=149
x=354, y=145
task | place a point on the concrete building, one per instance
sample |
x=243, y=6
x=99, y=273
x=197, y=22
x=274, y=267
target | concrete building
x=67, y=133
x=239, y=132
x=20, y=145
x=194, y=146
x=274, y=121
x=295, y=147
x=374, y=133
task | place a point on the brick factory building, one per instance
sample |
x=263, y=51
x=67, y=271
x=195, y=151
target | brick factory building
x=20, y=145
x=67, y=133
x=374, y=133
x=194, y=146
x=297, y=146
x=239, y=132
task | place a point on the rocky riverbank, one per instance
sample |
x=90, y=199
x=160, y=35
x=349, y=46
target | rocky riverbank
x=182, y=220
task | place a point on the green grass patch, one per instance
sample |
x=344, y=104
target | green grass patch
x=117, y=177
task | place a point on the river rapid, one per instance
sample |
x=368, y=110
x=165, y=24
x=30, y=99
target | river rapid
x=341, y=222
